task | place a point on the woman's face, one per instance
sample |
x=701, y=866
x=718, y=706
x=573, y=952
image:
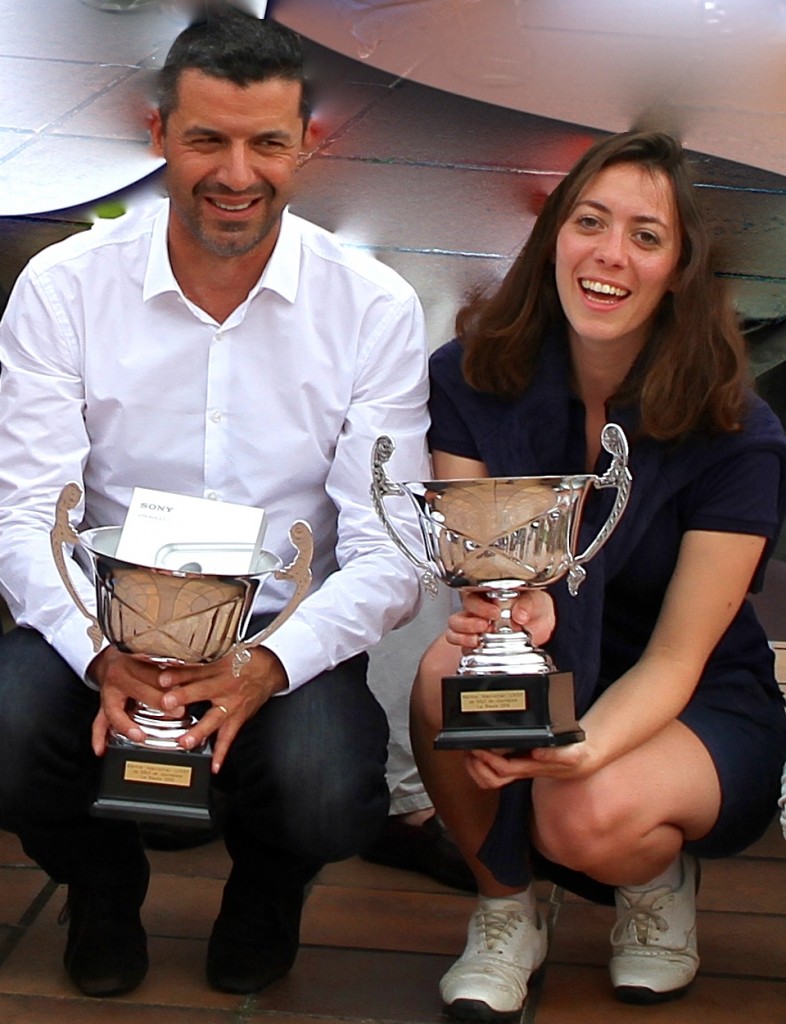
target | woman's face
x=617, y=255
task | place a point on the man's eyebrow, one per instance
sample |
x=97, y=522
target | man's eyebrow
x=640, y=218
x=202, y=129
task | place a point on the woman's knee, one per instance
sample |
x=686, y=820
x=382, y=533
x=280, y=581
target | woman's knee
x=440, y=660
x=581, y=825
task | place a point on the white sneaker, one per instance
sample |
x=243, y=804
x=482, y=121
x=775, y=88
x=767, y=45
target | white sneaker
x=654, y=940
x=504, y=948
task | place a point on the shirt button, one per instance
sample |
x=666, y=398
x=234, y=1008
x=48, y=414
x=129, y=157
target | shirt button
x=212, y=495
x=215, y=416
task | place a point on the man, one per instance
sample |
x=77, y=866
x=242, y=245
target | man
x=215, y=345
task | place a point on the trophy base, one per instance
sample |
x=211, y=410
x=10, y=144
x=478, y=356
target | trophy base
x=511, y=712
x=156, y=786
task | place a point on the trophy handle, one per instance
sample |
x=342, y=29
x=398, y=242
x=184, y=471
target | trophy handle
x=63, y=533
x=383, y=487
x=617, y=475
x=299, y=572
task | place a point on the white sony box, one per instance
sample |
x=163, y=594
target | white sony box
x=178, y=532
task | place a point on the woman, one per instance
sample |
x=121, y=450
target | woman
x=612, y=312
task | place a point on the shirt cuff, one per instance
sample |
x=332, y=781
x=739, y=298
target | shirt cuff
x=298, y=649
x=72, y=643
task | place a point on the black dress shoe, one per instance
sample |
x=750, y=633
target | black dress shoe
x=426, y=849
x=256, y=936
x=106, y=950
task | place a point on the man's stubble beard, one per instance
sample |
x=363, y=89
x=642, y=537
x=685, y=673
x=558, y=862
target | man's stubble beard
x=228, y=249
x=232, y=247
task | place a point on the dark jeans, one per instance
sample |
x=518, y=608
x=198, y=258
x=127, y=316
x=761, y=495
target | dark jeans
x=304, y=779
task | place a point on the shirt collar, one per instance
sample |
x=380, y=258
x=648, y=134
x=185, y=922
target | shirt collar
x=281, y=275
x=158, y=273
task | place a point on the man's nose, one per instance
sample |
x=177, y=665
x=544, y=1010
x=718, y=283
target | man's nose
x=237, y=169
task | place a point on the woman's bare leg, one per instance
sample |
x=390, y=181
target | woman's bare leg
x=626, y=823
x=467, y=811
x=507, y=940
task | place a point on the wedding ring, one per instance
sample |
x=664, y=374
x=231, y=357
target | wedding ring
x=221, y=708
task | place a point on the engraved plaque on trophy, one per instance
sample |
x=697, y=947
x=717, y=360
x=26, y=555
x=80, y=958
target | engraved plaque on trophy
x=502, y=536
x=167, y=616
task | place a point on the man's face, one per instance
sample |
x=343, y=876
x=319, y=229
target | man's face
x=231, y=155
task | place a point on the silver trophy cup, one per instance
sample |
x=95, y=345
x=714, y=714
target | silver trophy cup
x=169, y=617
x=502, y=536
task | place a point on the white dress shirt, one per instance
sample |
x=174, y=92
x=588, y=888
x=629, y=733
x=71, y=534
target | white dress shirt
x=112, y=378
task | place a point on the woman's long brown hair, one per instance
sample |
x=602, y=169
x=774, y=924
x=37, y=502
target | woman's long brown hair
x=691, y=376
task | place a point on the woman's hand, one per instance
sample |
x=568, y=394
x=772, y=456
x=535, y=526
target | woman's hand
x=493, y=769
x=532, y=610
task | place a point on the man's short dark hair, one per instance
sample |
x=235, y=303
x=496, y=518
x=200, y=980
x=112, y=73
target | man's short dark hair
x=228, y=43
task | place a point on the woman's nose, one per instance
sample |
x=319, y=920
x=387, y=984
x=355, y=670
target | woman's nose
x=610, y=249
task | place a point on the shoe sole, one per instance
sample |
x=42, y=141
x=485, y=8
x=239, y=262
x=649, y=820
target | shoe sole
x=476, y=1009
x=244, y=986
x=646, y=996
x=229, y=977
x=101, y=988
x=102, y=991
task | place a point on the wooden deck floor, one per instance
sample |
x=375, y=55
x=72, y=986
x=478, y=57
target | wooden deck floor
x=375, y=942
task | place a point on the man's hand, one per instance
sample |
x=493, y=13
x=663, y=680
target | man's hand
x=121, y=678
x=235, y=699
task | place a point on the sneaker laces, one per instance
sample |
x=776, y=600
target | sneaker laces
x=497, y=928
x=641, y=917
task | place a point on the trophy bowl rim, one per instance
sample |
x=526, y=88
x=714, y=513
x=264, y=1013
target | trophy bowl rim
x=87, y=541
x=577, y=478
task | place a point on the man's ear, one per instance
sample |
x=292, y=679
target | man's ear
x=311, y=137
x=156, y=128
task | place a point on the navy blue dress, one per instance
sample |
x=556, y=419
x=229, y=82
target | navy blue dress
x=731, y=482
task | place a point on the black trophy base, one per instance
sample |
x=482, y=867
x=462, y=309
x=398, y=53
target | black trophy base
x=510, y=712
x=155, y=786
